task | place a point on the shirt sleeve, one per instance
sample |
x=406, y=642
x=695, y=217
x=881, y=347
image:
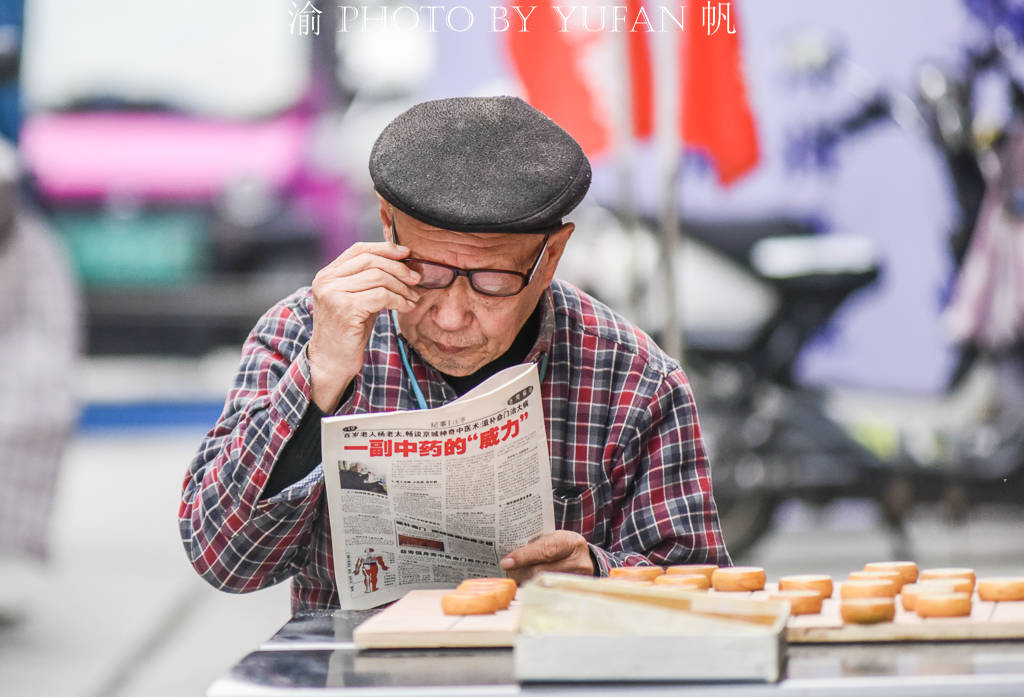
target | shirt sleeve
x=237, y=539
x=669, y=515
x=299, y=456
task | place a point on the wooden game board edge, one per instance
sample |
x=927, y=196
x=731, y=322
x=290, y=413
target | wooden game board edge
x=450, y=640
x=930, y=630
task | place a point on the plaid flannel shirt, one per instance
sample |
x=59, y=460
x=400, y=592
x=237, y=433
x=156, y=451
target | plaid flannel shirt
x=628, y=466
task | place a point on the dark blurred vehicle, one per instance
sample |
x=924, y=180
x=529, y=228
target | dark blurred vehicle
x=776, y=284
x=769, y=437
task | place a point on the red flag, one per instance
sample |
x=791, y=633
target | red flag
x=558, y=77
x=551, y=68
x=641, y=77
x=716, y=116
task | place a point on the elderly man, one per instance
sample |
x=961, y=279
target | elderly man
x=472, y=194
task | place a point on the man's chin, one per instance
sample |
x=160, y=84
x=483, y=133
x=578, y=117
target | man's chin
x=456, y=369
x=455, y=362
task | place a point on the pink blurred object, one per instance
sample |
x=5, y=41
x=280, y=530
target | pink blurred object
x=987, y=308
x=158, y=156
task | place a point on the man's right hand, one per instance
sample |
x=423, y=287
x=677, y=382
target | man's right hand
x=348, y=294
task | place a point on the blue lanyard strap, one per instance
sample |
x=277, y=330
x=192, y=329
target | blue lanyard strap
x=420, y=399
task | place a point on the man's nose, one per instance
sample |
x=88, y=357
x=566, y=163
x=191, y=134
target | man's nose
x=452, y=309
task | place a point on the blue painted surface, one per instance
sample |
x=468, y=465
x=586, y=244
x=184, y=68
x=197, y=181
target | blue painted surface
x=12, y=12
x=97, y=418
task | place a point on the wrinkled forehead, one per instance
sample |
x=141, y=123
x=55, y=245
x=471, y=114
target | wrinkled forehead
x=427, y=240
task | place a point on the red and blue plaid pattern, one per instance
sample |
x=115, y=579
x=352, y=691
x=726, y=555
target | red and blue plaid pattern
x=628, y=467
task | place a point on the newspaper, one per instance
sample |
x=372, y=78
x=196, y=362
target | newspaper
x=424, y=499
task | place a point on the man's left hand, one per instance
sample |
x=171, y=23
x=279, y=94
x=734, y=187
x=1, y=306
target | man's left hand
x=561, y=550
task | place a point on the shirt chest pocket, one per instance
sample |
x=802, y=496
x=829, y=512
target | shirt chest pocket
x=576, y=509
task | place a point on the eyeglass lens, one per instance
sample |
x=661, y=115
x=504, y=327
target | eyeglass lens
x=433, y=276
x=489, y=282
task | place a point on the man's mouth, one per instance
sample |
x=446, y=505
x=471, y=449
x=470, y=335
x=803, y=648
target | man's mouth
x=449, y=348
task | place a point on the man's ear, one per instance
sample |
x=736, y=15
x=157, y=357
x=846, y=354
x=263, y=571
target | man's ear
x=556, y=245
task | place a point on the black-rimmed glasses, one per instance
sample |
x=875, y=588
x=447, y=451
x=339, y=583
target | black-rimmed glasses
x=494, y=282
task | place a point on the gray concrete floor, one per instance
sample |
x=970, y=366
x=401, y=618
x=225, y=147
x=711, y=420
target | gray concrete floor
x=119, y=611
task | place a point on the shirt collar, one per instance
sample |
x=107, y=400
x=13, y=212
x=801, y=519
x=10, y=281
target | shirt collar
x=546, y=331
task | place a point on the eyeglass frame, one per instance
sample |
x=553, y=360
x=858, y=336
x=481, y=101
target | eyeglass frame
x=526, y=278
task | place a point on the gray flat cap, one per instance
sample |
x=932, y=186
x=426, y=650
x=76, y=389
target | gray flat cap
x=480, y=164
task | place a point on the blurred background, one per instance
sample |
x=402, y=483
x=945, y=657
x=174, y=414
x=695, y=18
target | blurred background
x=816, y=206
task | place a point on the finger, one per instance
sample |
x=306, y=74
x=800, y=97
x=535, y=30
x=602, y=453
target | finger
x=364, y=262
x=383, y=249
x=569, y=565
x=359, y=308
x=545, y=549
x=380, y=298
x=370, y=279
x=362, y=275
